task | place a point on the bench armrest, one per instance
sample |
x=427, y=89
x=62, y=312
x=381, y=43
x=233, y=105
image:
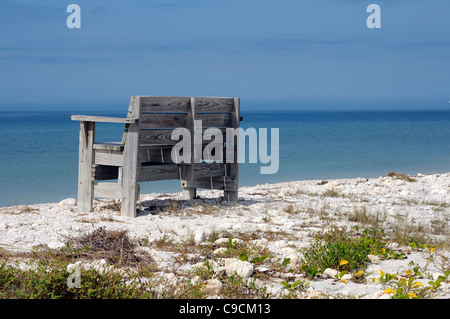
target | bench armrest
x=105, y=119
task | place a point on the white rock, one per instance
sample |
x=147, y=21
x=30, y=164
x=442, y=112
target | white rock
x=221, y=241
x=199, y=236
x=219, y=251
x=347, y=277
x=243, y=269
x=399, y=182
x=329, y=273
x=213, y=285
x=273, y=212
x=55, y=245
x=68, y=202
x=385, y=296
x=280, y=243
x=404, y=192
x=374, y=259
x=437, y=190
x=73, y=267
x=330, y=186
x=3, y=226
x=262, y=269
x=386, y=182
x=100, y=263
x=292, y=254
x=259, y=242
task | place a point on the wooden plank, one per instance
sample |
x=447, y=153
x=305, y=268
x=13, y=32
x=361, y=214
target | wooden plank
x=187, y=170
x=156, y=136
x=107, y=190
x=220, y=183
x=214, y=119
x=163, y=153
x=162, y=120
x=232, y=169
x=155, y=154
x=164, y=104
x=103, y=172
x=105, y=119
x=112, y=158
x=110, y=146
x=208, y=170
x=85, y=161
x=208, y=138
x=158, y=172
x=131, y=164
x=214, y=104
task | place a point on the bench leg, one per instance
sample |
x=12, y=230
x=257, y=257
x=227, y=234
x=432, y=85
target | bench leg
x=189, y=193
x=129, y=199
x=231, y=196
x=86, y=159
x=130, y=186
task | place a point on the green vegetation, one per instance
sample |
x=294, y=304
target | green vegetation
x=330, y=248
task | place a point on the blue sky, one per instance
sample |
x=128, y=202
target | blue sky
x=299, y=54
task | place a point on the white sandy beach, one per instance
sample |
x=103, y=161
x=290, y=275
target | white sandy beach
x=282, y=217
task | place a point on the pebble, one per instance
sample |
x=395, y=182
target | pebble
x=241, y=268
x=56, y=245
x=213, y=286
x=330, y=273
x=374, y=259
x=219, y=251
x=292, y=254
x=199, y=236
x=68, y=202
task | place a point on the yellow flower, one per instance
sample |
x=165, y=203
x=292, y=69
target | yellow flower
x=418, y=283
x=390, y=291
x=412, y=295
x=343, y=262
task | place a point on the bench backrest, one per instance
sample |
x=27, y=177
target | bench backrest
x=160, y=115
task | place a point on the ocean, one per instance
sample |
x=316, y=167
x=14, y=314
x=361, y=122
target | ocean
x=39, y=150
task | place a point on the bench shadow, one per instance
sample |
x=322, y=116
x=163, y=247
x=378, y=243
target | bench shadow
x=169, y=203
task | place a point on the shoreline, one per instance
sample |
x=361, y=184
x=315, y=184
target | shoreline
x=283, y=217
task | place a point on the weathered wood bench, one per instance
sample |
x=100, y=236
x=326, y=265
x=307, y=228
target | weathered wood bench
x=145, y=153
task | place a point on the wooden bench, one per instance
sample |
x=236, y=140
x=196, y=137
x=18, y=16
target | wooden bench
x=145, y=153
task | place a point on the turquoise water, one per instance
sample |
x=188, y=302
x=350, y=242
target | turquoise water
x=39, y=151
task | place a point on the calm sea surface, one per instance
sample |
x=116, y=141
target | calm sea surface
x=39, y=151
